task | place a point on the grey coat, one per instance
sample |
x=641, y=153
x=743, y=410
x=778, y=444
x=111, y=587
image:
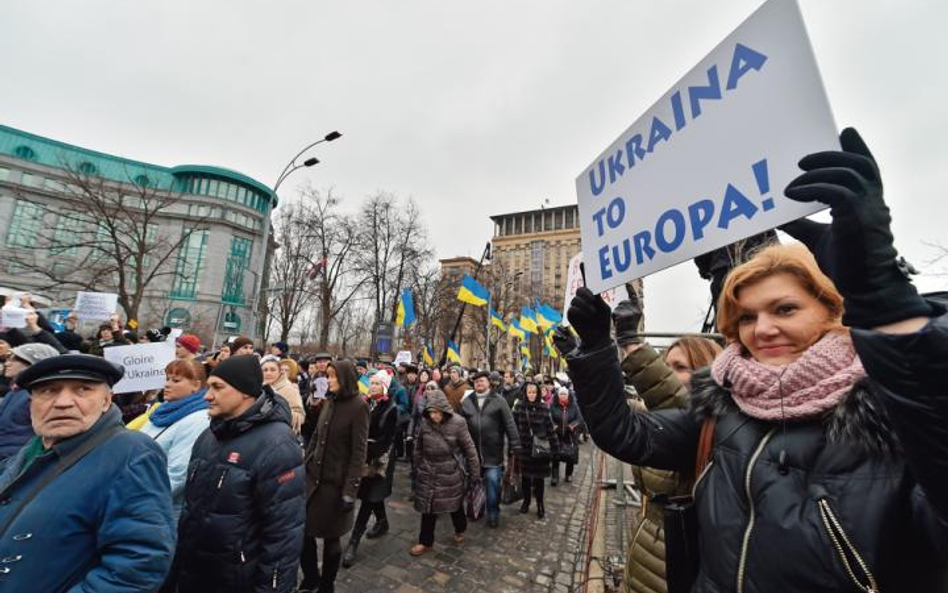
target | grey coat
x=440, y=483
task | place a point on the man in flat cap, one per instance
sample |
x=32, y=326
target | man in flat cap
x=85, y=505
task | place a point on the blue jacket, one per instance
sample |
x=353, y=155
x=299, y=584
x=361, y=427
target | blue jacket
x=16, y=429
x=104, y=525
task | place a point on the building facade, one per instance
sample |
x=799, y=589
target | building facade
x=212, y=217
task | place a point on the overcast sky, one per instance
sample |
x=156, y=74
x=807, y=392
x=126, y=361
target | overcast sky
x=471, y=108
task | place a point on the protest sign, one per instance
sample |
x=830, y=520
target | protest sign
x=144, y=365
x=706, y=165
x=403, y=356
x=574, y=279
x=13, y=317
x=95, y=305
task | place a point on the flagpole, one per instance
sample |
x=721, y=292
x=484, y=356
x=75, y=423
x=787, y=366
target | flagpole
x=457, y=324
x=487, y=339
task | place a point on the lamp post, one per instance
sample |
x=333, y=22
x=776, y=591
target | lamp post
x=290, y=168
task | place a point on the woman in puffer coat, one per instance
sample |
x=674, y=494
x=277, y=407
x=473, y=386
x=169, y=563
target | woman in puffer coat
x=275, y=375
x=445, y=458
x=826, y=469
x=661, y=383
x=533, y=420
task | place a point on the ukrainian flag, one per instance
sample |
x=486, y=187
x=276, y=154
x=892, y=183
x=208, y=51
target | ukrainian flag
x=406, y=309
x=428, y=355
x=472, y=292
x=547, y=316
x=454, y=353
x=497, y=320
x=364, y=384
x=525, y=350
x=528, y=320
x=515, y=330
x=550, y=348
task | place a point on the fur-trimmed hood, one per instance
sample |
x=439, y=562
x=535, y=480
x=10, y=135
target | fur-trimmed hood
x=859, y=420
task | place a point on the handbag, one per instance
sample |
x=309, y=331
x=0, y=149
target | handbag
x=511, y=490
x=681, y=524
x=540, y=447
x=569, y=452
x=476, y=500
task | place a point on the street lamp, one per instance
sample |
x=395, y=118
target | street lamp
x=290, y=167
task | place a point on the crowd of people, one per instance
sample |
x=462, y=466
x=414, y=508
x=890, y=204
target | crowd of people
x=805, y=453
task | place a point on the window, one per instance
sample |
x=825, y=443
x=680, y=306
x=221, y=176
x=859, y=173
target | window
x=26, y=179
x=87, y=168
x=569, y=218
x=25, y=226
x=66, y=236
x=53, y=185
x=212, y=187
x=24, y=152
x=237, y=263
x=4, y=173
x=142, y=180
x=188, y=268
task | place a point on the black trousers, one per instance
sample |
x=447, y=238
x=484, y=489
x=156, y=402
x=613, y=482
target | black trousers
x=532, y=486
x=366, y=510
x=429, y=520
x=556, y=468
x=309, y=562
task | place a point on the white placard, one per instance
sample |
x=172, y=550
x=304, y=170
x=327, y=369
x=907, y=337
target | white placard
x=95, y=305
x=706, y=165
x=11, y=317
x=144, y=365
x=574, y=279
x=403, y=356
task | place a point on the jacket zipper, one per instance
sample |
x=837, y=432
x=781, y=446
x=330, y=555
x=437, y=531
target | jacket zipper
x=275, y=573
x=704, y=472
x=742, y=564
x=840, y=539
x=221, y=481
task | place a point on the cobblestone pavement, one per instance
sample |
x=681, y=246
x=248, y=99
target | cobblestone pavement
x=523, y=555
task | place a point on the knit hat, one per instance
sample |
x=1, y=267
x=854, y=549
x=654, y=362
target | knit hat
x=189, y=342
x=33, y=353
x=282, y=347
x=242, y=373
x=239, y=342
x=385, y=378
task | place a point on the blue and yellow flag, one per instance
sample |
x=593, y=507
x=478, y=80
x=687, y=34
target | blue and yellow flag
x=497, y=320
x=454, y=353
x=515, y=330
x=472, y=292
x=550, y=347
x=428, y=355
x=406, y=309
x=547, y=316
x=528, y=320
x=364, y=384
x=525, y=350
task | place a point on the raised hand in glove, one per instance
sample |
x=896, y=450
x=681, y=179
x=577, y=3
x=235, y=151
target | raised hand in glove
x=564, y=340
x=348, y=503
x=627, y=316
x=856, y=250
x=591, y=318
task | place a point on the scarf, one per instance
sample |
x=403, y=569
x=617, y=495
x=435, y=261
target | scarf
x=170, y=412
x=810, y=385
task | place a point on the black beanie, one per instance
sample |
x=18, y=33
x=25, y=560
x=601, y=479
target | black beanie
x=242, y=373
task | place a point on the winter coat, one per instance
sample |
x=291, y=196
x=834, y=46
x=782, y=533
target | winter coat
x=103, y=525
x=440, y=481
x=488, y=426
x=291, y=393
x=533, y=419
x=511, y=394
x=177, y=441
x=377, y=474
x=241, y=528
x=334, y=462
x=70, y=340
x=399, y=396
x=19, y=336
x=16, y=428
x=96, y=347
x=455, y=393
x=658, y=388
x=804, y=505
x=566, y=420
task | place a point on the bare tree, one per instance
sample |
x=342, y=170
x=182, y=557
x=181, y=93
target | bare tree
x=293, y=268
x=108, y=237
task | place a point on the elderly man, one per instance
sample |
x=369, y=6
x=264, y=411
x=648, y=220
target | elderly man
x=86, y=504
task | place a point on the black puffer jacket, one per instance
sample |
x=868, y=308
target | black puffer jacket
x=488, y=427
x=241, y=528
x=800, y=506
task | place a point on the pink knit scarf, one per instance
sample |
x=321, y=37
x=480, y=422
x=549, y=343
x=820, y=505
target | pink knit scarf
x=808, y=386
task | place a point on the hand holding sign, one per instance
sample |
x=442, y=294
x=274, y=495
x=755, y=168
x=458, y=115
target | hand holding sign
x=591, y=317
x=857, y=249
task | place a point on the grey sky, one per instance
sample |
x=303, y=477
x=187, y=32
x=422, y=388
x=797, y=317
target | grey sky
x=472, y=108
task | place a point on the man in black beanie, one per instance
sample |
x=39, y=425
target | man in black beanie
x=241, y=528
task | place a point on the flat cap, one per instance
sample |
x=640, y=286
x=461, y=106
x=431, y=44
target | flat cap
x=71, y=366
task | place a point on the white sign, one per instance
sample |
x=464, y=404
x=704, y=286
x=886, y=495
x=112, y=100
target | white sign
x=95, y=305
x=144, y=365
x=574, y=279
x=706, y=165
x=403, y=356
x=11, y=317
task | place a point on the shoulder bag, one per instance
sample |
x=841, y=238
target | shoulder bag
x=540, y=447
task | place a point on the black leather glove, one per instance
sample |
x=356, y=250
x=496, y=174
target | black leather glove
x=591, y=318
x=627, y=316
x=564, y=340
x=348, y=503
x=856, y=250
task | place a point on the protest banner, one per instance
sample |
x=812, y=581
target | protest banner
x=98, y=306
x=144, y=365
x=13, y=317
x=574, y=279
x=706, y=165
x=403, y=356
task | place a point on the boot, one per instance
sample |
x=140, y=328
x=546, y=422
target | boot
x=378, y=530
x=555, y=479
x=525, y=507
x=541, y=510
x=349, y=556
